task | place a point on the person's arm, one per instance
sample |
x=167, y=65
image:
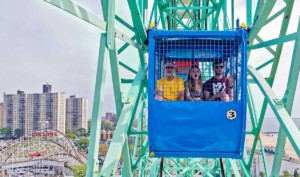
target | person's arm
x=230, y=86
x=181, y=95
x=180, y=90
x=159, y=91
x=207, y=96
x=188, y=94
x=230, y=94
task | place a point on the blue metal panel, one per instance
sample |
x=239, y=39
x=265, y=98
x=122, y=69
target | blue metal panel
x=197, y=129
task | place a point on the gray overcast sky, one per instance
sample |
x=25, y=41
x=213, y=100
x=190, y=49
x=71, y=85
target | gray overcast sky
x=40, y=44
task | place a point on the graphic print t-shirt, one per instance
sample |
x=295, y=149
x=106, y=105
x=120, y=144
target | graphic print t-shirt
x=214, y=85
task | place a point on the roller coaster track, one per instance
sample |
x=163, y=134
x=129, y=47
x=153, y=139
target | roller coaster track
x=23, y=144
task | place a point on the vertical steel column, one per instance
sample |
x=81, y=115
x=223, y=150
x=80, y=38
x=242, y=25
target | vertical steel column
x=93, y=163
x=249, y=12
x=110, y=29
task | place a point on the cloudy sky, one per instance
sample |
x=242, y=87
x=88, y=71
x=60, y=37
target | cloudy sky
x=41, y=44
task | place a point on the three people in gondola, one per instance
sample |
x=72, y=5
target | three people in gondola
x=173, y=88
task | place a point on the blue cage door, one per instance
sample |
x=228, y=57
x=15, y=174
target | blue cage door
x=209, y=129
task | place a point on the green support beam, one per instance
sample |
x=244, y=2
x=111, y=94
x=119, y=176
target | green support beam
x=110, y=41
x=93, y=163
x=83, y=14
x=114, y=152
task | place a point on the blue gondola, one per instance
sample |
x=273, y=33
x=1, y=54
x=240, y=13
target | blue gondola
x=209, y=129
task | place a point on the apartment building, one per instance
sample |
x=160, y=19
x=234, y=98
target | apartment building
x=30, y=112
x=1, y=115
x=76, y=113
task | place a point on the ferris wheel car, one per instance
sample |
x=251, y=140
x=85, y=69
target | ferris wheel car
x=209, y=128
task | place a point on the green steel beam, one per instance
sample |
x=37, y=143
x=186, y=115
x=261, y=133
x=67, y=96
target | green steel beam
x=153, y=10
x=265, y=64
x=279, y=152
x=245, y=169
x=143, y=152
x=138, y=138
x=227, y=167
x=279, y=110
x=114, y=62
x=171, y=11
x=224, y=9
x=279, y=40
x=83, y=14
x=186, y=8
x=120, y=134
x=176, y=19
x=123, y=22
x=204, y=19
x=104, y=5
x=234, y=167
x=154, y=168
x=260, y=22
x=276, y=15
x=260, y=40
x=258, y=8
x=249, y=12
x=121, y=49
x=215, y=20
x=126, y=81
x=251, y=108
x=127, y=67
x=110, y=41
x=137, y=20
x=264, y=157
x=92, y=166
x=127, y=161
x=232, y=14
x=141, y=7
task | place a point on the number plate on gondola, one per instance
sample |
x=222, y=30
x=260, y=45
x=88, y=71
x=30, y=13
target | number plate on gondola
x=231, y=114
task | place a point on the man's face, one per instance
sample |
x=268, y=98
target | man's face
x=218, y=69
x=169, y=69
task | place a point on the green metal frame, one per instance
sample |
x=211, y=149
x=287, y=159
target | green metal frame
x=131, y=93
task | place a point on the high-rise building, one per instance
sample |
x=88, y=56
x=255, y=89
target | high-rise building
x=47, y=88
x=1, y=115
x=30, y=112
x=76, y=113
x=15, y=111
x=111, y=116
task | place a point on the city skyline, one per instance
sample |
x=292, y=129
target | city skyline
x=51, y=110
x=30, y=112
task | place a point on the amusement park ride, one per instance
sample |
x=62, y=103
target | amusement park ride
x=43, y=152
x=183, y=138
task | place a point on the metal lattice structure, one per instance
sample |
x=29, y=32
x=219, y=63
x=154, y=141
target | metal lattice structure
x=131, y=92
x=40, y=152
